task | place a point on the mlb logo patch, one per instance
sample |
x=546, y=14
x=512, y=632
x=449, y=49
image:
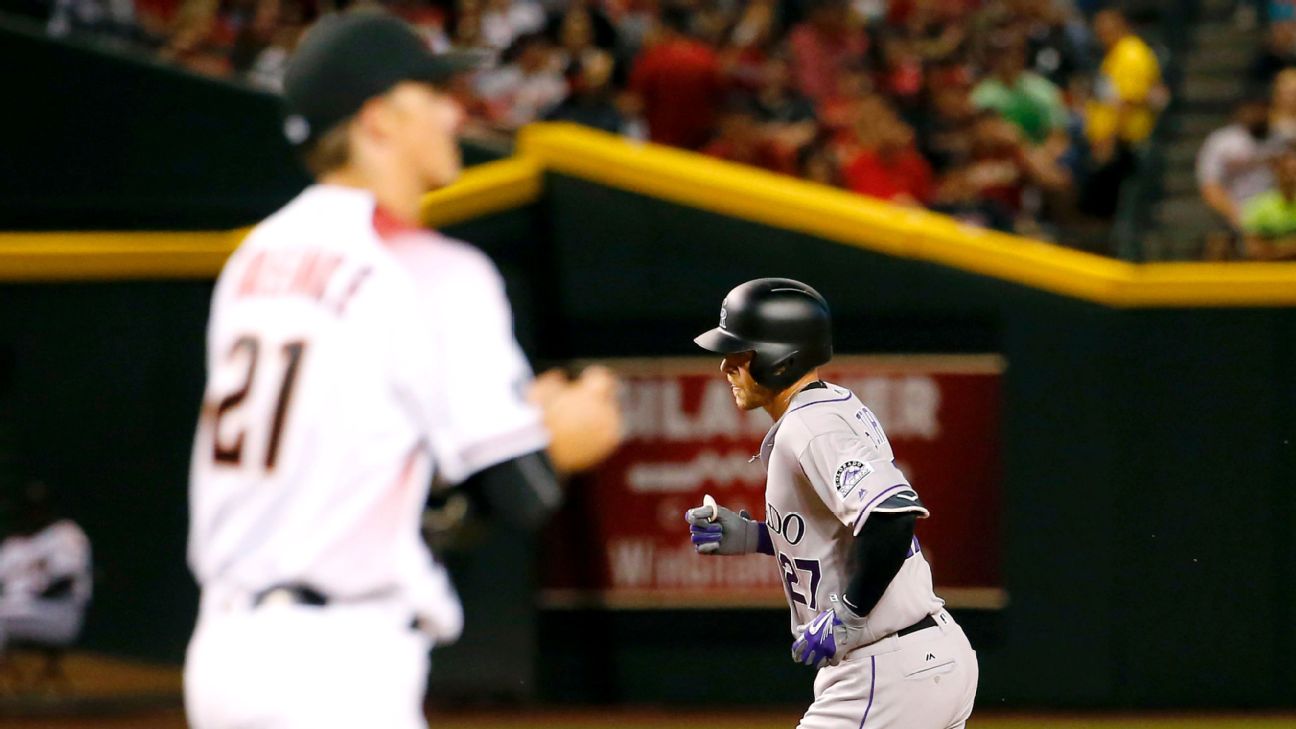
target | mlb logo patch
x=849, y=475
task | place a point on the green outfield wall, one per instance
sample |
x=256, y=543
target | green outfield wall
x=1149, y=491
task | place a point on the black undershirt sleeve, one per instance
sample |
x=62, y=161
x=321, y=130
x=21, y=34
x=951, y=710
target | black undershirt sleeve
x=521, y=491
x=879, y=550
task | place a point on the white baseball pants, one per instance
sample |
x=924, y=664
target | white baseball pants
x=924, y=680
x=302, y=667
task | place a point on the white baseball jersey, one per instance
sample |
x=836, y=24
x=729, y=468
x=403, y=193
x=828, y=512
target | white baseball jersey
x=829, y=466
x=349, y=359
x=31, y=564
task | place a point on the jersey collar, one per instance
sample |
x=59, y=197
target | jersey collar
x=812, y=394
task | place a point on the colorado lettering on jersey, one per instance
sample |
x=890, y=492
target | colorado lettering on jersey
x=791, y=527
x=305, y=272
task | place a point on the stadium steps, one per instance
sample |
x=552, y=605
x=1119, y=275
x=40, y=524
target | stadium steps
x=1220, y=60
x=1214, y=69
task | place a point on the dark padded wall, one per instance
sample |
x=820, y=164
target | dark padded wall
x=1148, y=459
x=1149, y=489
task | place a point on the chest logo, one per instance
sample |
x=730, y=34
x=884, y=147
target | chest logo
x=849, y=475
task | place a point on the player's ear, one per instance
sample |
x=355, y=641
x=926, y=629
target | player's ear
x=375, y=118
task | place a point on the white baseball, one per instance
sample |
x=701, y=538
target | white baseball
x=707, y=500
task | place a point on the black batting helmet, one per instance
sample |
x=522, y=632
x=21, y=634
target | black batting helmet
x=784, y=322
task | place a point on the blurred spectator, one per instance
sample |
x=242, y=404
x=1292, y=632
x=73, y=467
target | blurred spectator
x=45, y=578
x=818, y=162
x=1121, y=115
x=776, y=101
x=592, y=101
x=527, y=87
x=990, y=186
x=504, y=21
x=1269, y=219
x=1278, y=52
x=750, y=42
x=1233, y=166
x=741, y=139
x=936, y=28
x=1030, y=101
x=946, y=130
x=887, y=164
x=262, y=50
x=580, y=27
x=851, y=100
x=824, y=47
x=198, y=40
x=1282, y=117
x=1056, y=40
x=676, y=82
x=116, y=17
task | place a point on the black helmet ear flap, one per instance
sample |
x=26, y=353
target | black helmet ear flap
x=778, y=366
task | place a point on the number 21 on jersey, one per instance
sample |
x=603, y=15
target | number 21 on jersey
x=244, y=374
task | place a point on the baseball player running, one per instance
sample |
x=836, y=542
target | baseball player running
x=354, y=359
x=839, y=521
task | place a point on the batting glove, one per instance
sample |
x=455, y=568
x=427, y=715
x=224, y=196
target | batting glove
x=717, y=530
x=827, y=639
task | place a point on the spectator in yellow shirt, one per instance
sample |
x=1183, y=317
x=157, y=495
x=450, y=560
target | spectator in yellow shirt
x=1127, y=94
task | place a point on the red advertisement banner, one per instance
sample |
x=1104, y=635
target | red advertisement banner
x=621, y=541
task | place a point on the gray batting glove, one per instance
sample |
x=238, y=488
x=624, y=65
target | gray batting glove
x=717, y=530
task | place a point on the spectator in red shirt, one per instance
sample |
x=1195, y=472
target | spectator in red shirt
x=677, y=83
x=888, y=164
x=824, y=46
x=742, y=139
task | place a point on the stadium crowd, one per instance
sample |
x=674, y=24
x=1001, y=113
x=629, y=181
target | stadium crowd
x=1246, y=170
x=1010, y=114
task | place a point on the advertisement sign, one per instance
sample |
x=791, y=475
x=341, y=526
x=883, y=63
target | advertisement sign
x=622, y=541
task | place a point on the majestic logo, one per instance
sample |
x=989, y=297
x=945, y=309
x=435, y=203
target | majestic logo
x=724, y=313
x=849, y=476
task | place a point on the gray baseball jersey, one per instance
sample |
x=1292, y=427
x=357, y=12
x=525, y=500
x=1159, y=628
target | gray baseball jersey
x=829, y=466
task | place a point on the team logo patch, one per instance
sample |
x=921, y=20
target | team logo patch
x=724, y=314
x=849, y=476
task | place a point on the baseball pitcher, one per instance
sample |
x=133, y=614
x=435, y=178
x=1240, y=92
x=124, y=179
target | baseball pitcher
x=354, y=360
x=839, y=520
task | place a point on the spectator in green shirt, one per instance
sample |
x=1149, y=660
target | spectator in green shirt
x=1269, y=219
x=1028, y=100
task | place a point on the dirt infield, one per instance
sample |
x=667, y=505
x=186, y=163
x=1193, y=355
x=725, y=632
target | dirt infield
x=651, y=719
x=101, y=692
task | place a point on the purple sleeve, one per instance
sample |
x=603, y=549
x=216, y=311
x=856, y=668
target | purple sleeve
x=763, y=543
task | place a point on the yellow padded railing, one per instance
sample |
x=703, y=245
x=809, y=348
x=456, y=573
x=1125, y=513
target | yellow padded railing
x=728, y=189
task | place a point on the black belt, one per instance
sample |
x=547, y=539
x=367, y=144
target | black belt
x=295, y=593
x=305, y=595
x=925, y=623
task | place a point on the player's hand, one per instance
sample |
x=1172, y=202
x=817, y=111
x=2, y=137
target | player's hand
x=828, y=638
x=717, y=530
x=583, y=416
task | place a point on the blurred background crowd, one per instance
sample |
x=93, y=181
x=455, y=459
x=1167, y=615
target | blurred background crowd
x=1010, y=114
x=1024, y=116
